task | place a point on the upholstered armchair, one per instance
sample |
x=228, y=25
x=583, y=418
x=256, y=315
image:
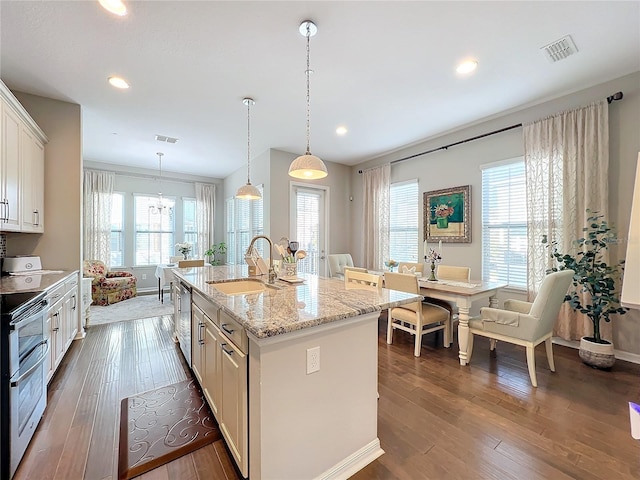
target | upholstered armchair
x=338, y=262
x=108, y=287
x=523, y=323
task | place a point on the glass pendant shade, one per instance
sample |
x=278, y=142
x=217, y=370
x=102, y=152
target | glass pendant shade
x=248, y=191
x=308, y=166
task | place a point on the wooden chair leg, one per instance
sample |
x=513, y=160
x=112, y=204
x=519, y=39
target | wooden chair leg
x=492, y=344
x=418, y=344
x=531, y=363
x=549, y=347
x=389, y=328
x=447, y=333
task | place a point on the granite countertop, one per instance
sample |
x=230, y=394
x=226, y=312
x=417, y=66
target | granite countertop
x=33, y=283
x=290, y=307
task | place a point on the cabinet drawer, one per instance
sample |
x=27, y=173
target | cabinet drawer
x=205, y=305
x=233, y=331
x=71, y=283
x=56, y=293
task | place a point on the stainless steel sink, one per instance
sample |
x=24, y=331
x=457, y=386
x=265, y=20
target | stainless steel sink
x=241, y=287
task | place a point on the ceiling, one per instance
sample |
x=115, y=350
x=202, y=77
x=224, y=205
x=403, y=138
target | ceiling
x=385, y=70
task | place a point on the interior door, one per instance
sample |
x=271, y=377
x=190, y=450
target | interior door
x=308, y=227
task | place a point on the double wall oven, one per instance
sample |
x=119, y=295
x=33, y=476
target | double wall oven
x=24, y=354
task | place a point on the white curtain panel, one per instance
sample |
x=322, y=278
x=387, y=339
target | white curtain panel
x=205, y=215
x=566, y=162
x=376, y=198
x=97, y=191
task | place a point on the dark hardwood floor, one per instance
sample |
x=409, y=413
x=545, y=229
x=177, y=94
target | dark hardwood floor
x=436, y=420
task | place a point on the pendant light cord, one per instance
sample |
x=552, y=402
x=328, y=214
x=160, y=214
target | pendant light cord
x=308, y=88
x=248, y=141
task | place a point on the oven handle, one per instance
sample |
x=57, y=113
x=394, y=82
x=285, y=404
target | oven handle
x=16, y=382
x=30, y=316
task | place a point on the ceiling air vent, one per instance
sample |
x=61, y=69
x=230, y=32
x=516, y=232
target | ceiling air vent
x=560, y=49
x=164, y=138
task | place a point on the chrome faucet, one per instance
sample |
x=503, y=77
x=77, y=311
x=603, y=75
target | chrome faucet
x=272, y=272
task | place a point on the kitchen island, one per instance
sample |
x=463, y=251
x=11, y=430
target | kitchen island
x=290, y=372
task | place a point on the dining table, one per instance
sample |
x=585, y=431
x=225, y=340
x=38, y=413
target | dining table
x=462, y=294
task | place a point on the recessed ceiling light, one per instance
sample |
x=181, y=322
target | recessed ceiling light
x=467, y=66
x=342, y=130
x=114, y=6
x=118, y=82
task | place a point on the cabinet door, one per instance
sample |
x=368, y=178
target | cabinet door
x=32, y=191
x=211, y=384
x=197, y=343
x=9, y=170
x=233, y=407
x=70, y=317
x=55, y=336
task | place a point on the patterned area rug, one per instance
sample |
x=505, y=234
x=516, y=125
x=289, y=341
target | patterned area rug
x=159, y=426
x=142, y=306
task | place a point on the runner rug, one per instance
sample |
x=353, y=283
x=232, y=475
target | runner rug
x=162, y=425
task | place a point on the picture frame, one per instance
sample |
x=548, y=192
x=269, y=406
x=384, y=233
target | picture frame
x=447, y=215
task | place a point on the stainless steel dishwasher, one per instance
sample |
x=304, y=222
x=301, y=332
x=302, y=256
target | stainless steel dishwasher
x=183, y=322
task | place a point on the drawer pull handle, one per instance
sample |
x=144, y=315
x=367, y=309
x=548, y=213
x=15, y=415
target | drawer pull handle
x=201, y=339
x=227, y=329
x=228, y=352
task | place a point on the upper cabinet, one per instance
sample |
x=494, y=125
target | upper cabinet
x=21, y=167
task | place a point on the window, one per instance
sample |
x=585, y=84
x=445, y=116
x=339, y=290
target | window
x=231, y=230
x=189, y=226
x=244, y=221
x=403, y=221
x=504, y=224
x=117, y=222
x=154, y=232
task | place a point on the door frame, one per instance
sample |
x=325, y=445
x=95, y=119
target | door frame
x=322, y=264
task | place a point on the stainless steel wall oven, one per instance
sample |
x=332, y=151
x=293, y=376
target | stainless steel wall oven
x=24, y=356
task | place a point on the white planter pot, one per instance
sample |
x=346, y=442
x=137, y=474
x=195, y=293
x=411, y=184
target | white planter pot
x=599, y=355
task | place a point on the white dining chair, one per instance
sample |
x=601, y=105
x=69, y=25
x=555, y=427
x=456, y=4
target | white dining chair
x=523, y=323
x=356, y=278
x=408, y=267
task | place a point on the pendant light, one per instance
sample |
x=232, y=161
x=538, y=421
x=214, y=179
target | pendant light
x=308, y=166
x=248, y=191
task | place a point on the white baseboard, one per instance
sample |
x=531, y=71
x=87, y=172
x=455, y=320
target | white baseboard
x=354, y=462
x=620, y=355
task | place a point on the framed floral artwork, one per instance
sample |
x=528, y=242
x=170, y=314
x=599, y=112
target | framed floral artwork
x=447, y=215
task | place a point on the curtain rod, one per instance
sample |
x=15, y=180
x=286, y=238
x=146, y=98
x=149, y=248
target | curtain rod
x=610, y=98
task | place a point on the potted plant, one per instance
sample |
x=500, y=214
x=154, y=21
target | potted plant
x=594, y=290
x=216, y=249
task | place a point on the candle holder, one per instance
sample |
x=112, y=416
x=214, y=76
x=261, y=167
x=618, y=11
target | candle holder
x=432, y=277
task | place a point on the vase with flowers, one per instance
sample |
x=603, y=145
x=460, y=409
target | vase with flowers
x=434, y=257
x=443, y=212
x=184, y=248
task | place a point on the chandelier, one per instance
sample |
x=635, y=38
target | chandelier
x=308, y=166
x=160, y=207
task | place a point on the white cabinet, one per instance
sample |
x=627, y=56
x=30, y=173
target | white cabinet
x=233, y=406
x=21, y=167
x=9, y=169
x=219, y=363
x=70, y=312
x=55, y=324
x=32, y=191
x=62, y=320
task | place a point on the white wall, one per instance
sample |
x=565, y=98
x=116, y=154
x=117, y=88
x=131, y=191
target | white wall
x=460, y=165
